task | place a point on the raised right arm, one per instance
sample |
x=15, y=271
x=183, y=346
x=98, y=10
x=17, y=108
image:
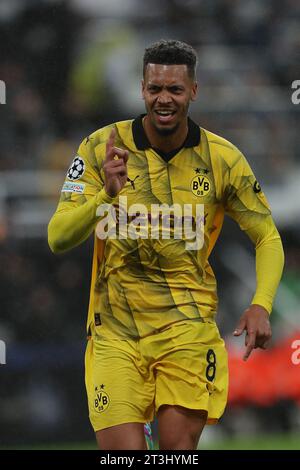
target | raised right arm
x=83, y=191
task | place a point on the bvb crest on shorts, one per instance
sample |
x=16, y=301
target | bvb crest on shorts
x=101, y=399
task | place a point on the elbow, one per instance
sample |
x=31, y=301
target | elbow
x=55, y=240
x=55, y=246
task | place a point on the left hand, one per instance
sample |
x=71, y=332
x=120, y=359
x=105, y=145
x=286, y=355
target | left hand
x=255, y=321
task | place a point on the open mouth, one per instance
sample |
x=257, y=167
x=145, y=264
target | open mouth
x=164, y=116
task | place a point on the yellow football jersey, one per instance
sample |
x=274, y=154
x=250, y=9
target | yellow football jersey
x=143, y=284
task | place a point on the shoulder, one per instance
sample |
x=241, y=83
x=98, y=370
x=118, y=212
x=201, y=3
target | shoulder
x=95, y=143
x=100, y=136
x=221, y=149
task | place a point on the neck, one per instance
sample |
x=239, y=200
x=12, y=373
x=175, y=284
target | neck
x=165, y=143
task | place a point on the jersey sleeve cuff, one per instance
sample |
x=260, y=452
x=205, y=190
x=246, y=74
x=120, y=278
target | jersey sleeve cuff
x=103, y=198
x=259, y=300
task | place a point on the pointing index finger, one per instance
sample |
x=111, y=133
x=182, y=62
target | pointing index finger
x=110, y=144
x=250, y=344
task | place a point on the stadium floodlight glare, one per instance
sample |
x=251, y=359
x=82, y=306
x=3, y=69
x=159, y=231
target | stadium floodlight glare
x=2, y=92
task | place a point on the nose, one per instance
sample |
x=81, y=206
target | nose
x=164, y=97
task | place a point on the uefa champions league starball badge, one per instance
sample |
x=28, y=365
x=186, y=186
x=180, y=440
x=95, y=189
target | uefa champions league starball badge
x=76, y=169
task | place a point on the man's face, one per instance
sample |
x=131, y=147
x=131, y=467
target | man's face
x=167, y=91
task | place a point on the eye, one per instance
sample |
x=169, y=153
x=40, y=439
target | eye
x=176, y=90
x=153, y=88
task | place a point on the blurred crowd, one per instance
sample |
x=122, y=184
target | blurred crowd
x=72, y=66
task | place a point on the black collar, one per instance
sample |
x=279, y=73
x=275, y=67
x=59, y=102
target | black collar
x=142, y=143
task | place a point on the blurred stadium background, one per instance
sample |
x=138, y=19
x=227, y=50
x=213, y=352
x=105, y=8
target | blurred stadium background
x=73, y=66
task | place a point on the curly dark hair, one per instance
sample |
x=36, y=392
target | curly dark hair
x=171, y=52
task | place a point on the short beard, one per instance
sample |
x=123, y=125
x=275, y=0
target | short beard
x=166, y=132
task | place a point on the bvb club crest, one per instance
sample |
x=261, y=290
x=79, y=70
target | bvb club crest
x=200, y=184
x=101, y=399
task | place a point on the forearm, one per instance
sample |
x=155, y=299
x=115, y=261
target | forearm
x=269, y=262
x=70, y=227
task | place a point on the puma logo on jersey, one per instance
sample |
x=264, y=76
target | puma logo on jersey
x=132, y=181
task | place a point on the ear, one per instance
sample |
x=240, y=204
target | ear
x=194, y=91
x=143, y=89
